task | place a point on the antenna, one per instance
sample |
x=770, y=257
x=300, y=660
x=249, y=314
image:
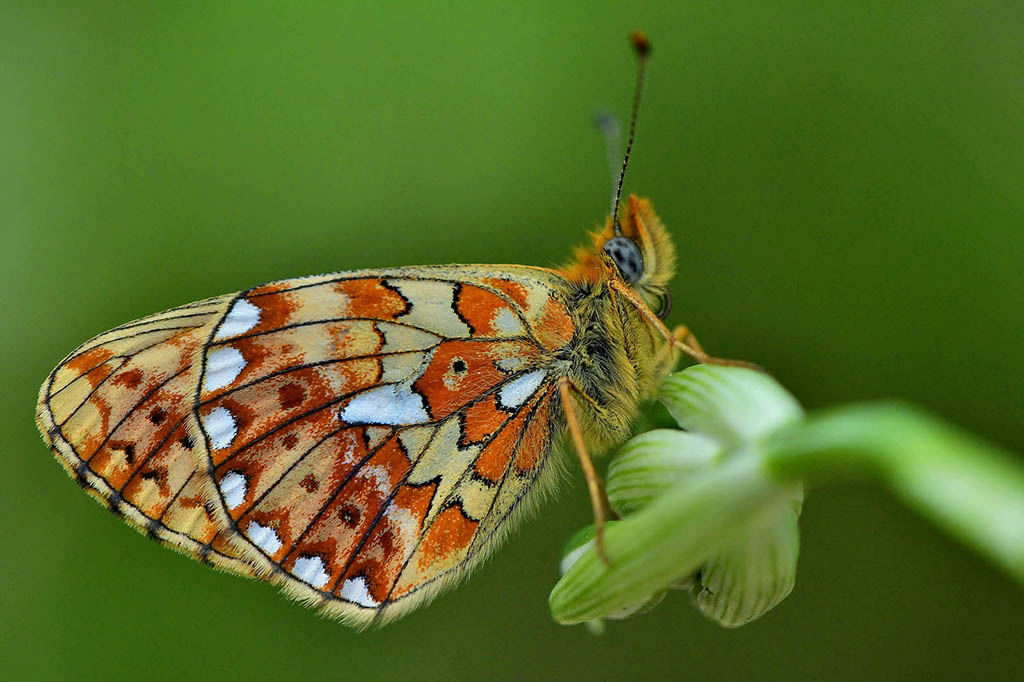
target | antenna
x=642, y=47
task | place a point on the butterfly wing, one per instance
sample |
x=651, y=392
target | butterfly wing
x=117, y=413
x=371, y=435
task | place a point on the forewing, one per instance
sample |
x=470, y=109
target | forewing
x=369, y=435
x=117, y=413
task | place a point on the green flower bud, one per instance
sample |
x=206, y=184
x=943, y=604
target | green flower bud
x=752, y=575
x=579, y=543
x=653, y=462
x=715, y=510
x=668, y=540
x=701, y=509
x=733, y=405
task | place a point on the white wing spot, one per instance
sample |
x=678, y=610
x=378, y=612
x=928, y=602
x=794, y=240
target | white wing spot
x=358, y=591
x=220, y=427
x=242, y=317
x=310, y=569
x=506, y=321
x=515, y=392
x=403, y=521
x=233, y=488
x=392, y=404
x=511, y=364
x=263, y=537
x=223, y=365
x=380, y=475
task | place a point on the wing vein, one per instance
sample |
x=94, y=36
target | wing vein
x=423, y=532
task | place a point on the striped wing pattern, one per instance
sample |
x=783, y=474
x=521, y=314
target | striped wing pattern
x=361, y=438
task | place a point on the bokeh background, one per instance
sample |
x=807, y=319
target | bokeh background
x=843, y=181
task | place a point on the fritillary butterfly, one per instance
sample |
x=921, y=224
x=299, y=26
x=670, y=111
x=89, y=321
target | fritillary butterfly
x=365, y=438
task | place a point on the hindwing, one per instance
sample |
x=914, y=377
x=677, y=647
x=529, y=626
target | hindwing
x=368, y=436
x=117, y=412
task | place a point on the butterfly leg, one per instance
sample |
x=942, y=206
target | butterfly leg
x=666, y=358
x=683, y=333
x=597, y=498
x=685, y=340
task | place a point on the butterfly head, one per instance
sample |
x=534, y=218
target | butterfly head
x=641, y=254
x=633, y=245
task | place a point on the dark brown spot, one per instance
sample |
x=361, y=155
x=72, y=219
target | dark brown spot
x=158, y=415
x=349, y=515
x=458, y=366
x=127, y=448
x=150, y=475
x=310, y=483
x=290, y=441
x=129, y=379
x=291, y=395
x=187, y=442
x=387, y=542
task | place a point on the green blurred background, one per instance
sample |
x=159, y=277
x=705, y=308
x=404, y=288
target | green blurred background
x=842, y=179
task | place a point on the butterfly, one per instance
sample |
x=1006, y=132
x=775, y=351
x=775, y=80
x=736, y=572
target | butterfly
x=365, y=438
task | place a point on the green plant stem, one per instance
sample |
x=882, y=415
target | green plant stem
x=971, y=488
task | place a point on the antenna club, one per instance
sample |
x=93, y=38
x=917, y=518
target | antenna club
x=640, y=43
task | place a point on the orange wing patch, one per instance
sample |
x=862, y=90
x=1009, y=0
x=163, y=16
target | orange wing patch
x=446, y=540
x=481, y=420
x=462, y=370
x=487, y=314
x=556, y=327
x=494, y=459
x=514, y=290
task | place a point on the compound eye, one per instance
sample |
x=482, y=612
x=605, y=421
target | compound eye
x=627, y=257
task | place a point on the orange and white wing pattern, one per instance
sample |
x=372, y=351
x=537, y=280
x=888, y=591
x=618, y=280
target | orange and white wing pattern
x=117, y=413
x=369, y=436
